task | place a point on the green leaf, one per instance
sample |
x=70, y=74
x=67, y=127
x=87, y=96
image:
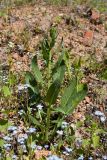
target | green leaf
x=32, y=82
x=12, y=79
x=95, y=140
x=45, y=49
x=53, y=91
x=86, y=143
x=80, y=95
x=1, y=142
x=58, y=63
x=36, y=71
x=60, y=73
x=3, y=122
x=68, y=92
x=34, y=121
x=6, y=91
x=53, y=35
x=3, y=125
x=73, y=95
x=104, y=75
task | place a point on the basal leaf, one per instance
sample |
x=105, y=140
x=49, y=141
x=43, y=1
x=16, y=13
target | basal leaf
x=72, y=97
x=6, y=91
x=95, y=140
x=68, y=93
x=104, y=75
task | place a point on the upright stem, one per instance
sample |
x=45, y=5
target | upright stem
x=47, y=124
x=49, y=107
x=49, y=68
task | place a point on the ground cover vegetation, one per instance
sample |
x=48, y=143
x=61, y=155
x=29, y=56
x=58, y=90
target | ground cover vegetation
x=53, y=80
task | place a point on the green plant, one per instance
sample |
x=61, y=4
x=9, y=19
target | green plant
x=47, y=86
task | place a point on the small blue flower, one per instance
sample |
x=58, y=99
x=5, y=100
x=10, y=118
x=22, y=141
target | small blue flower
x=55, y=144
x=78, y=142
x=90, y=158
x=67, y=149
x=24, y=148
x=104, y=157
x=33, y=146
x=31, y=130
x=7, y=146
x=64, y=125
x=99, y=113
x=81, y=157
x=14, y=157
x=39, y=147
x=54, y=157
x=21, y=140
x=12, y=128
x=21, y=112
x=14, y=133
x=46, y=146
x=7, y=138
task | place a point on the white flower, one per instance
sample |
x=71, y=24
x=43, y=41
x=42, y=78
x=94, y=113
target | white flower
x=14, y=157
x=39, y=106
x=64, y=152
x=103, y=119
x=23, y=148
x=81, y=157
x=55, y=144
x=54, y=157
x=64, y=125
x=31, y=130
x=11, y=44
x=98, y=113
x=60, y=132
x=22, y=86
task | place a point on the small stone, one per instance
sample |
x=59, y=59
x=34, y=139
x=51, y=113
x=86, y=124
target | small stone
x=16, y=56
x=87, y=99
x=88, y=38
